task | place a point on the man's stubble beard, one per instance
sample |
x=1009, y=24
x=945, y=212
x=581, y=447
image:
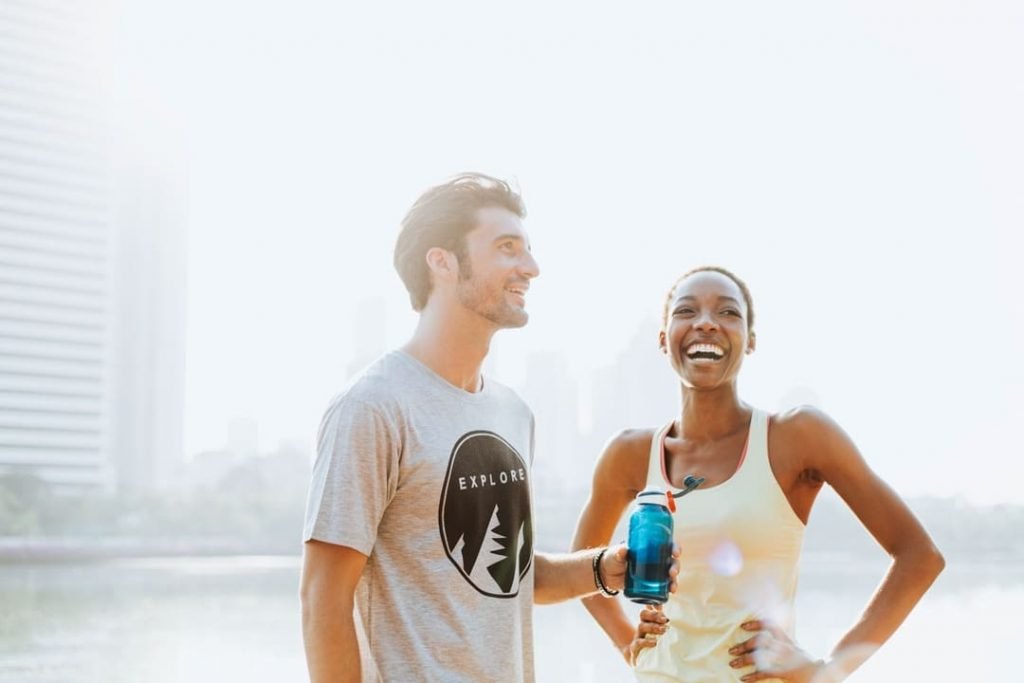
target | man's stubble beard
x=473, y=296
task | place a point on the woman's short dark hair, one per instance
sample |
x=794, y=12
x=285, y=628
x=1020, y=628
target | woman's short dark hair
x=711, y=269
x=441, y=217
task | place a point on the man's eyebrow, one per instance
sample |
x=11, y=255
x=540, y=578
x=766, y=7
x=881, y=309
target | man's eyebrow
x=508, y=236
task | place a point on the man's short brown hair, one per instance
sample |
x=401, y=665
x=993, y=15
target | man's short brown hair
x=441, y=217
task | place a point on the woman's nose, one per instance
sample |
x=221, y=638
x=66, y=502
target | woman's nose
x=705, y=321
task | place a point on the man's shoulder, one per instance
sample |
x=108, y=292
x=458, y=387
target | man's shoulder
x=508, y=395
x=379, y=384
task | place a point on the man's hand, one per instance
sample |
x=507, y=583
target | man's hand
x=614, y=564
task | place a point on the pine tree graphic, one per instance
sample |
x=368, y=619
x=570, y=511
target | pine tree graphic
x=492, y=545
x=506, y=570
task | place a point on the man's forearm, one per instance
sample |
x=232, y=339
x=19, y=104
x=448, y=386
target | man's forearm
x=565, y=576
x=332, y=649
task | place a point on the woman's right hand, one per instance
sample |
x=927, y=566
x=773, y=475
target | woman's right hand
x=653, y=623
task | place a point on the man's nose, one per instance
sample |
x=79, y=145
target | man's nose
x=529, y=267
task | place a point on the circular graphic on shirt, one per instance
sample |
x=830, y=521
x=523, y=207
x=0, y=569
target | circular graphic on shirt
x=484, y=514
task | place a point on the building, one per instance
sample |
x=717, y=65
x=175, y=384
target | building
x=55, y=248
x=92, y=259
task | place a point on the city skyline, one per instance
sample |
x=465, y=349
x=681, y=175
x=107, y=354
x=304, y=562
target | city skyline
x=863, y=178
x=577, y=414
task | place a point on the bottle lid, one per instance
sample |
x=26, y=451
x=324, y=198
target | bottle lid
x=652, y=495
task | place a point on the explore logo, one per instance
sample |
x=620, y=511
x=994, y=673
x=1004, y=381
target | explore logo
x=484, y=514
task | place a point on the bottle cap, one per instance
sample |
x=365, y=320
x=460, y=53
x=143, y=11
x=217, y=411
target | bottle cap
x=652, y=495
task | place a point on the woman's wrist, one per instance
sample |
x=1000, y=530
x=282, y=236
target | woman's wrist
x=829, y=671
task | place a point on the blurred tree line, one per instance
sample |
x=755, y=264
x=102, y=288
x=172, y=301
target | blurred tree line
x=258, y=503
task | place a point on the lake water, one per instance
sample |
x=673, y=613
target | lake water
x=201, y=620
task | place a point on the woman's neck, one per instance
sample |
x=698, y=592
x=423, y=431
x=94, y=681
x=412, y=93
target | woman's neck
x=709, y=415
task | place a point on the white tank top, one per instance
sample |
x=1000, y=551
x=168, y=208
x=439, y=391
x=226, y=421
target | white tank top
x=740, y=543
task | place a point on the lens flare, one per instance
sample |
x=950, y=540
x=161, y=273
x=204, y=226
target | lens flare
x=726, y=559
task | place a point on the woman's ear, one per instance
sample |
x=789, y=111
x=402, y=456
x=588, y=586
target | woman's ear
x=752, y=342
x=662, y=342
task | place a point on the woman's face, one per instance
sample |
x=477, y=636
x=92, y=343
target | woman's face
x=706, y=335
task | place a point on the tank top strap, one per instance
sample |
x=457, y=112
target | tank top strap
x=754, y=463
x=755, y=453
x=656, y=458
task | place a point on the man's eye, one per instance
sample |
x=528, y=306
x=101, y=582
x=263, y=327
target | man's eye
x=507, y=246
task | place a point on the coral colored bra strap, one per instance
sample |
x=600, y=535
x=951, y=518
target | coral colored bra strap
x=663, y=433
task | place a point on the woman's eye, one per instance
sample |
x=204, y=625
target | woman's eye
x=682, y=311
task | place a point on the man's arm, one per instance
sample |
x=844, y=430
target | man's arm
x=329, y=577
x=564, y=576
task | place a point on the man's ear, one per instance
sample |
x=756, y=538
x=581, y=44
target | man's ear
x=752, y=342
x=442, y=263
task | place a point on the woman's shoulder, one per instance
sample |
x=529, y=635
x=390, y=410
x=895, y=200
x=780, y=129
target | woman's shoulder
x=627, y=451
x=804, y=428
x=632, y=439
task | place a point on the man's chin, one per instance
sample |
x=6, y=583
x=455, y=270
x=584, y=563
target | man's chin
x=519, y=321
x=510, y=320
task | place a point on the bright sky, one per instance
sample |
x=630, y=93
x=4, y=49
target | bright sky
x=860, y=164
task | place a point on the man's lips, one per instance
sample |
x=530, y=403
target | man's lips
x=518, y=291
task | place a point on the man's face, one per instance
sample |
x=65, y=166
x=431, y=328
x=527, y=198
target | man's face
x=494, y=281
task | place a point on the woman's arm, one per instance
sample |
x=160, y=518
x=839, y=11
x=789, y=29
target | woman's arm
x=916, y=562
x=618, y=475
x=822, y=448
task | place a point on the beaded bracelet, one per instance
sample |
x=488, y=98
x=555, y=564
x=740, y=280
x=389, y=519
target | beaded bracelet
x=596, y=566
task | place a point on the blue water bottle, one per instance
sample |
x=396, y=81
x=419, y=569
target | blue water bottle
x=649, y=554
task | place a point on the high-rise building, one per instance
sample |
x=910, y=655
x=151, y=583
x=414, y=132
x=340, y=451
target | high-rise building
x=149, y=286
x=637, y=390
x=55, y=246
x=92, y=261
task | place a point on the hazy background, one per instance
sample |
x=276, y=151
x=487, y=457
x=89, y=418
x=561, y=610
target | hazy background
x=859, y=164
x=246, y=166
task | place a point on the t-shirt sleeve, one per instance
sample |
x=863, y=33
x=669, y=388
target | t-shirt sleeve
x=354, y=477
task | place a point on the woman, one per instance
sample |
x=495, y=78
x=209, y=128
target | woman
x=741, y=531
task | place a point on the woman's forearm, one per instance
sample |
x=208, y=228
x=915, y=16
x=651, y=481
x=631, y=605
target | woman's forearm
x=909, y=576
x=608, y=613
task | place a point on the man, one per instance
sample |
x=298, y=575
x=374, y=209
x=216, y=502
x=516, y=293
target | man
x=419, y=512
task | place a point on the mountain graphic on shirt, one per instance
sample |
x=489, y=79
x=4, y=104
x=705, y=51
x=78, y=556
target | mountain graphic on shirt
x=484, y=514
x=497, y=564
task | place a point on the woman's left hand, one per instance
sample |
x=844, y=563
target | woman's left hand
x=773, y=654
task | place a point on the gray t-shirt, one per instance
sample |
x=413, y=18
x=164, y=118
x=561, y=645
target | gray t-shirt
x=431, y=483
